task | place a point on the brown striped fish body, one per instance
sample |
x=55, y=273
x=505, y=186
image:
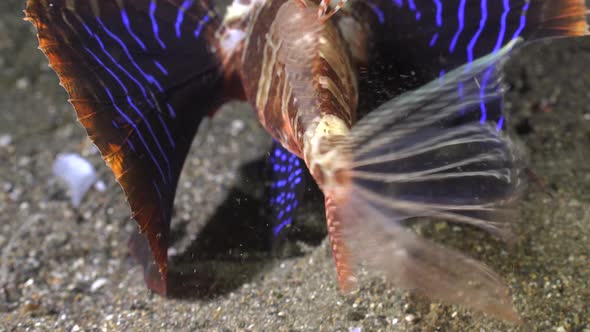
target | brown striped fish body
x=300, y=78
x=298, y=73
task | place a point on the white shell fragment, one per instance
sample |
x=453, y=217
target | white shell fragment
x=77, y=173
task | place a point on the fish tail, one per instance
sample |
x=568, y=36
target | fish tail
x=557, y=18
x=340, y=250
x=414, y=157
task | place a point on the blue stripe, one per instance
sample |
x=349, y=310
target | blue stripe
x=399, y=3
x=500, y=123
x=127, y=139
x=433, y=40
x=171, y=110
x=116, y=63
x=132, y=124
x=148, y=77
x=502, y=33
x=105, y=67
x=127, y=25
x=522, y=21
x=131, y=145
x=482, y=24
x=378, y=12
x=461, y=18
x=157, y=190
x=202, y=23
x=439, y=7
x=412, y=5
x=100, y=62
x=180, y=17
x=162, y=69
x=441, y=76
x=154, y=137
x=167, y=131
x=482, y=104
x=155, y=27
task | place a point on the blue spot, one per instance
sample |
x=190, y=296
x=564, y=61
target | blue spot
x=278, y=228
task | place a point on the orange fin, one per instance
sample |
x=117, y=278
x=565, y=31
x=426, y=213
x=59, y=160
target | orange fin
x=140, y=85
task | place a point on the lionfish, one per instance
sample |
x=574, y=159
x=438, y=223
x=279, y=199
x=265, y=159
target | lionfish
x=394, y=106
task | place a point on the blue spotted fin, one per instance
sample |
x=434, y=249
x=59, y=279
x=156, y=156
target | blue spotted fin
x=141, y=76
x=416, y=41
x=286, y=187
x=411, y=159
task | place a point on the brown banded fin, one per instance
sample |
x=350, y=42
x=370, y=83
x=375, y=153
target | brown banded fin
x=141, y=75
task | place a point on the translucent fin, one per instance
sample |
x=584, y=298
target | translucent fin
x=286, y=187
x=437, y=36
x=413, y=263
x=141, y=75
x=414, y=156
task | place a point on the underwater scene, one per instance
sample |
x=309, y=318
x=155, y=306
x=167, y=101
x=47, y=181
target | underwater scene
x=294, y=165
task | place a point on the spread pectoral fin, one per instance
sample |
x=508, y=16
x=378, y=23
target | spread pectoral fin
x=419, y=156
x=141, y=76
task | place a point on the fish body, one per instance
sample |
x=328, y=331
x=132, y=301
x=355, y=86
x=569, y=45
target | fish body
x=142, y=74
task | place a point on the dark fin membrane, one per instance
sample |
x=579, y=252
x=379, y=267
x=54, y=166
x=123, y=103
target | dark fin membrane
x=141, y=76
x=416, y=41
x=285, y=189
x=412, y=158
